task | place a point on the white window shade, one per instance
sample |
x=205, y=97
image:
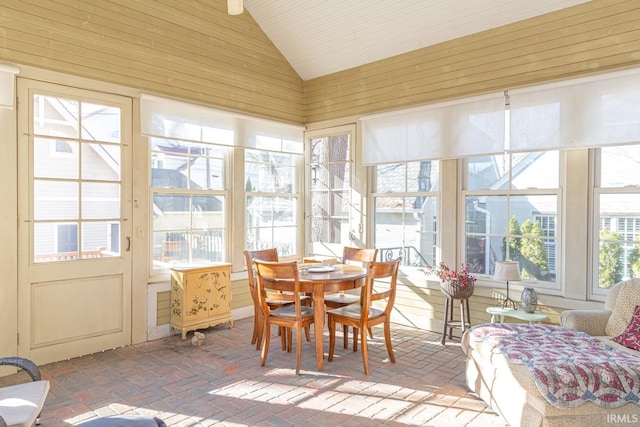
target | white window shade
x=460, y=128
x=579, y=113
x=168, y=118
x=7, y=85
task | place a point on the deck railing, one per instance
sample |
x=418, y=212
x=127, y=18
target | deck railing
x=72, y=256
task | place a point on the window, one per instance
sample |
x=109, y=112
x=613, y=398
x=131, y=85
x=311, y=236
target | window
x=187, y=184
x=272, y=200
x=406, y=211
x=511, y=208
x=63, y=147
x=77, y=178
x=191, y=146
x=548, y=227
x=617, y=209
x=330, y=165
x=67, y=238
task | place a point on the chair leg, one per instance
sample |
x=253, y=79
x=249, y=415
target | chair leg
x=332, y=336
x=259, y=327
x=387, y=340
x=298, y=348
x=265, y=347
x=289, y=339
x=307, y=329
x=345, y=332
x=282, y=331
x=355, y=340
x=256, y=326
x=365, y=351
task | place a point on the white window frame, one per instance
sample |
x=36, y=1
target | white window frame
x=295, y=194
x=407, y=259
x=595, y=292
x=223, y=193
x=355, y=223
x=549, y=287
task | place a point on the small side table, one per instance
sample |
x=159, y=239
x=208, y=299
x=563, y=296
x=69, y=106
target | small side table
x=501, y=312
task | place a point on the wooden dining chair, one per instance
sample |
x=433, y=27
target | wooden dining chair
x=250, y=256
x=363, y=316
x=272, y=300
x=341, y=299
x=292, y=316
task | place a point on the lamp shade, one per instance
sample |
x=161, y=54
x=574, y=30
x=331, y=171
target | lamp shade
x=507, y=270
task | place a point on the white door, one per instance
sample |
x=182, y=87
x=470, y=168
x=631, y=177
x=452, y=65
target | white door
x=74, y=197
x=334, y=208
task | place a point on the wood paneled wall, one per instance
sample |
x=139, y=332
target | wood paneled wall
x=594, y=36
x=187, y=49
x=193, y=50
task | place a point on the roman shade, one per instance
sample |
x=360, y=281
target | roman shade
x=444, y=130
x=168, y=118
x=593, y=111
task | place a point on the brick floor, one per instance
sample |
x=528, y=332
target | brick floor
x=222, y=383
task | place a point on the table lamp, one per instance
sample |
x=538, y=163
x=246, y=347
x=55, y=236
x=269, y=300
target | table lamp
x=507, y=270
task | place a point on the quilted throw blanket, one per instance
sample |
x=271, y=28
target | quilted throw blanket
x=568, y=367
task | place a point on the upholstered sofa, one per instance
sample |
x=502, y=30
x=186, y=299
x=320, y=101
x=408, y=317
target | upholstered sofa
x=512, y=388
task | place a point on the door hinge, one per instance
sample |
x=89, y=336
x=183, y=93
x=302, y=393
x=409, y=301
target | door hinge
x=18, y=339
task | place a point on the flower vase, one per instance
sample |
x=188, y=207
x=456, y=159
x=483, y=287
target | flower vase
x=529, y=300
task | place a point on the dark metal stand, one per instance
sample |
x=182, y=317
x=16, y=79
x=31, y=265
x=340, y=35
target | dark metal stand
x=508, y=300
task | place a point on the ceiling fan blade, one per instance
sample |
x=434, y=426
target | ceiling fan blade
x=235, y=7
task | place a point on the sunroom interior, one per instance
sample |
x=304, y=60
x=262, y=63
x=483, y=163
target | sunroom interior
x=516, y=142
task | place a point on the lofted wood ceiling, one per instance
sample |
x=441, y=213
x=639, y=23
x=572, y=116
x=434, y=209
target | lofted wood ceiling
x=320, y=37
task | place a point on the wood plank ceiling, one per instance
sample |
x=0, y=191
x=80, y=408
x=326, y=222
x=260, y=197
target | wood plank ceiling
x=321, y=37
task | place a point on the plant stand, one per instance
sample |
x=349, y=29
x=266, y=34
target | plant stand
x=450, y=323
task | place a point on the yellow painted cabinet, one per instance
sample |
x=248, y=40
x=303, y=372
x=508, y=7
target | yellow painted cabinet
x=200, y=297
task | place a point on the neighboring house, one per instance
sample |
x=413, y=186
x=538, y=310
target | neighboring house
x=56, y=195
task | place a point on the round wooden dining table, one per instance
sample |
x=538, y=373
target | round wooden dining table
x=318, y=283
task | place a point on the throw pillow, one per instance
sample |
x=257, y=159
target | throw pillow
x=622, y=306
x=631, y=336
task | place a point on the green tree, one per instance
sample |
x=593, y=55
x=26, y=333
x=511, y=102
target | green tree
x=610, y=267
x=533, y=254
x=513, y=243
x=634, y=258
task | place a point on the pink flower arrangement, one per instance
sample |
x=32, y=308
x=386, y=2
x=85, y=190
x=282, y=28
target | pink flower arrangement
x=445, y=273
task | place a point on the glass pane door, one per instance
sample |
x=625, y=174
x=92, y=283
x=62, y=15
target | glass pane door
x=76, y=179
x=330, y=168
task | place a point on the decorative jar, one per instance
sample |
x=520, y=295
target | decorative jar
x=529, y=300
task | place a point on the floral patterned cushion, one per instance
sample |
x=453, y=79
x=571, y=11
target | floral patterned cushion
x=631, y=336
x=628, y=297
